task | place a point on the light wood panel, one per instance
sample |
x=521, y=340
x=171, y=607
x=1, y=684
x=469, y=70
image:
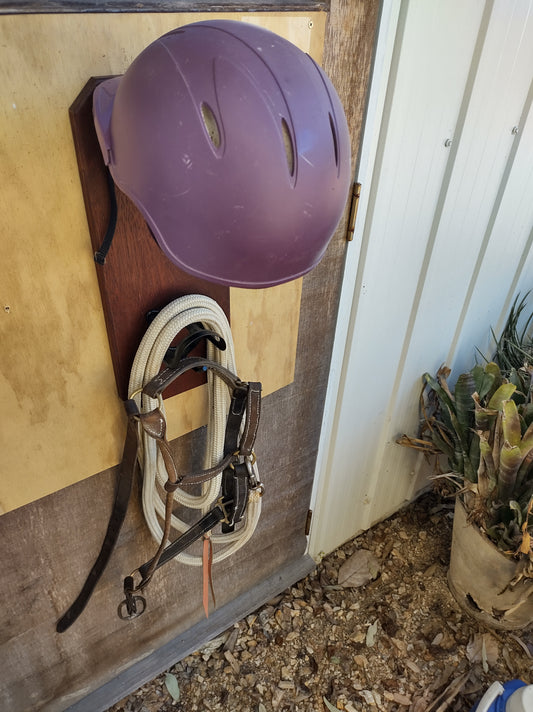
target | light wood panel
x=65, y=420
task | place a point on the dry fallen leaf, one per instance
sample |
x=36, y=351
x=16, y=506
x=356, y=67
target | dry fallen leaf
x=329, y=705
x=359, y=569
x=483, y=648
x=371, y=634
x=171, y=683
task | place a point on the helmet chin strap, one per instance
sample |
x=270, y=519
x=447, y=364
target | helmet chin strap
x=101, y=254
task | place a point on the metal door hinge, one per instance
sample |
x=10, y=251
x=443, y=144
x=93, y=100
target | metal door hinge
x=354, y=204
x=308, y=522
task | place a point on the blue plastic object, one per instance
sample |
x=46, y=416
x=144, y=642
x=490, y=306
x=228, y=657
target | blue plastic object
x=495, y=699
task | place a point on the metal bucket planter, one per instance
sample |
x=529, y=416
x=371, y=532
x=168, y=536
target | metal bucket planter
x=479, y=577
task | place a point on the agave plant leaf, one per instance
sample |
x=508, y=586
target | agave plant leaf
x=525, y=544
x=493, y=370
x=503, y=393
x=526, y=411
x=519, y=396
x=527, y=375
x=515, y=507
x=473, y=453
x=443, y=374
x=420, y=444
x=441, y=442
x=464, y=404
x=510, y=459
x=443, y=425
x=484, y=418
x=483, y=482
x=444, y=418
x=486, y=474
x=524, y=475
x=526, y=442
x=512, y=432
x=462, y=444
x=514, y=348
x=452, y=427
x=485, y=379
x=443, y=394
x=497, y=439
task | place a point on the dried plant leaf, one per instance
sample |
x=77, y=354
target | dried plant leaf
x=330, y=707
x=444, y=700
x=359, y=569
x=371, y=634
x=483, y=648
x=171, y=683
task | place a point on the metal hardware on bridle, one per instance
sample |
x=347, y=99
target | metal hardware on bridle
x=230, y=486
x=132, y=606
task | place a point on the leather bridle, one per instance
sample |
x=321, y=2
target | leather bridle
x=240, y=483
x=238, y=477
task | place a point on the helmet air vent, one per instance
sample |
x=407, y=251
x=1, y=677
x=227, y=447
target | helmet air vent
x=211, y=125
x=288, y=145
x=335, y=141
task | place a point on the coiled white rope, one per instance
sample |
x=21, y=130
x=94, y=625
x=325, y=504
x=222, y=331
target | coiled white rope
x=167, y=324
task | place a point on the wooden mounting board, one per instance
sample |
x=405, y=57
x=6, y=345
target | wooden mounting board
x=136, y=276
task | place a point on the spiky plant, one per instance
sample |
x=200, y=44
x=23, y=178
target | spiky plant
x=513, y=351
x=484, y=428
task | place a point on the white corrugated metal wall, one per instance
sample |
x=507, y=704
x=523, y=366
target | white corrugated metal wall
x=442, y=244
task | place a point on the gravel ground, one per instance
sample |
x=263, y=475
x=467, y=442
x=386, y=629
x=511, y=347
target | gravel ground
x=397, y=643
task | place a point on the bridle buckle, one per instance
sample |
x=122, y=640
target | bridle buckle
x=133, y=605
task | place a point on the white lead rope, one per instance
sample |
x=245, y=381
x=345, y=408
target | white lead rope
x=167, y=324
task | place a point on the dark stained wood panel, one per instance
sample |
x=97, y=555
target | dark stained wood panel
x=136, y=277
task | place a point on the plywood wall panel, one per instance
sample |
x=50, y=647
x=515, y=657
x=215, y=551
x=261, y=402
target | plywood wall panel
x=65, y=418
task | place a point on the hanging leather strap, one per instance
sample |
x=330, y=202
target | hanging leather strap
x=120, y=506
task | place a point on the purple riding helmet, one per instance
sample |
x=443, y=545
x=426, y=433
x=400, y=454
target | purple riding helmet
x=234, y=145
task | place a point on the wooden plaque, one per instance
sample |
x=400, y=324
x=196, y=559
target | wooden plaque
x=136, y=277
